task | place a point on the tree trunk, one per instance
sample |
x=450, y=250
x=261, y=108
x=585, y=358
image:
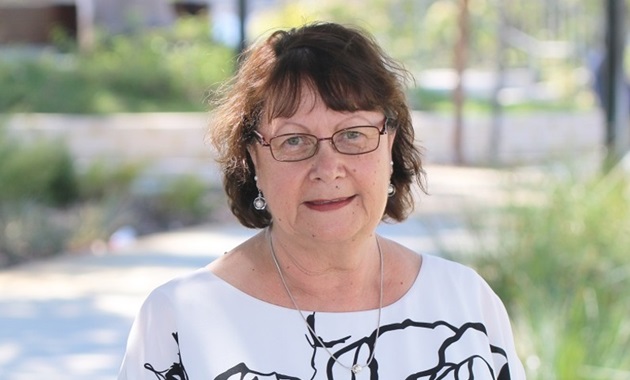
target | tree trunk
x=85, y=25
x=616, y=86
x=460, y=62
x=497, y=108
x=242, y=31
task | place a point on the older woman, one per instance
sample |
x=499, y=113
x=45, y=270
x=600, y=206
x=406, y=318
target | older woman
x=316, y=145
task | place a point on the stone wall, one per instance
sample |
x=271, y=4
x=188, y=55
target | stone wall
x=168, y=143
x=523, y=138
x=174, y=142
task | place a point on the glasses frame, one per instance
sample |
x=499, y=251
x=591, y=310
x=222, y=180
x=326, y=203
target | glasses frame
x=381, y=131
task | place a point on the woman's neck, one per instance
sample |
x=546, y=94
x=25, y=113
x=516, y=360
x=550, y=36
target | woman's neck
x=329, y=275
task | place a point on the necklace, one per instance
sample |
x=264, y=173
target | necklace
x=356, y=368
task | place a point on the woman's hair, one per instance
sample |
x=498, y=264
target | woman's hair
x=347, y=69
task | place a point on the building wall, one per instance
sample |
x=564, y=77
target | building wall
x=20, y=24
x=31, y=22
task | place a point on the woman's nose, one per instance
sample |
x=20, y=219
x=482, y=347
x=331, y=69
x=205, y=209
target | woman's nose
x=327, y=163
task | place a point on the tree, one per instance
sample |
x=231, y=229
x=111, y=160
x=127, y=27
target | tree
x=616, y=86
x=460, y=62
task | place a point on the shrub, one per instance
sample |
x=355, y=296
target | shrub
x=94, y=221
x=41, y=207
x=152, y=71
x=47, y=208
x=28, y=232
x=181, y=201
x=31, y=231
x=562, y=267
x=41, y=172
x=102, y=179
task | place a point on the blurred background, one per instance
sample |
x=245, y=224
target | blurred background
x=522, y=106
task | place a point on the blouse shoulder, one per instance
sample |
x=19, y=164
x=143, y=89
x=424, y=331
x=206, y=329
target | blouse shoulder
x=199, y=277
x=446, y=269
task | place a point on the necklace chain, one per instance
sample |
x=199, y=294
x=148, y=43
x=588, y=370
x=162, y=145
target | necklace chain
x=356, y=368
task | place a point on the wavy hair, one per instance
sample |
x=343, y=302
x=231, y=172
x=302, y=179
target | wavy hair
x=343, y=65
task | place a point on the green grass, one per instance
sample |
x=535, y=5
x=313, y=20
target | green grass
x=562, y=266
x=442, y=102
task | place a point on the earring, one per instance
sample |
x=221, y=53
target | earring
x=260, y=203
x=391, y=190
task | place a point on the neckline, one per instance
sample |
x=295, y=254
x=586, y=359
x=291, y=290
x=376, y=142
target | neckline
x=262, y=303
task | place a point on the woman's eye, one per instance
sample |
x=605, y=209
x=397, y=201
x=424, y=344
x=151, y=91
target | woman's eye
x=351, y=135
x=294, y=141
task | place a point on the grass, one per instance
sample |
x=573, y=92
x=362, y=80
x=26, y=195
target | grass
x=562, y=267
x=442, y=102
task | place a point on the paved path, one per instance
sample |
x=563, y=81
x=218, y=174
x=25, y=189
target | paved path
x=67, y=318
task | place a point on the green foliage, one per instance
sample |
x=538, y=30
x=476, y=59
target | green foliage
x=28, y=232
x=442, y=102
x=561, y=265
x=157, y=70
x=41, y=86
x=185, y=195
x=46, y=207
x=41, y=172
x=35, y=180
x=102, y=179
x=423, y=35
x=93, y=222
x=182, y=200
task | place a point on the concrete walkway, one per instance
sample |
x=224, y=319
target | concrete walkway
x=68, y=317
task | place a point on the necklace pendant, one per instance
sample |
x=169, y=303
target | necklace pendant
x=356, y=369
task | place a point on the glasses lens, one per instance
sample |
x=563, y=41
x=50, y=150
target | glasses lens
x=293, y=147
x=357, y=140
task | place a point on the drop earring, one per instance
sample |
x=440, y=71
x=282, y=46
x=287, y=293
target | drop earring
x=391, y=190
x=260, y=203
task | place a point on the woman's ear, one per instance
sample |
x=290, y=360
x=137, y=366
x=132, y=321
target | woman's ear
x=252, y=154
x=391, y=136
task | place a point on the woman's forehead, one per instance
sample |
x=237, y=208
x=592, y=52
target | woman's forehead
x=302, y=93
x=310, y=104
x=321, y=120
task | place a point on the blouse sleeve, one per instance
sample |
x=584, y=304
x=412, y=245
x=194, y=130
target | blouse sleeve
x=501, y=335
x=153, y=346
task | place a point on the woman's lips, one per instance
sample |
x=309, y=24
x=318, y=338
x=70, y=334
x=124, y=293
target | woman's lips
x=328, y=204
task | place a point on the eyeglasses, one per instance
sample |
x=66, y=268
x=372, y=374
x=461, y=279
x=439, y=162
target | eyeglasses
x=292, y=147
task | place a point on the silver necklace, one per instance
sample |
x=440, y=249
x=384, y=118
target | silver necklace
x=356, y=368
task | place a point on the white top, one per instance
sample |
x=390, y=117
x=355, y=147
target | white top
x=449, y=325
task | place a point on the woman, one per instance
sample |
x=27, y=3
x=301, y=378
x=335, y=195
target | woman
x=316, y=146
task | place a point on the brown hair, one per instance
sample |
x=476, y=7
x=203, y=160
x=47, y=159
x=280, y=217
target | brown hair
x=343, y=65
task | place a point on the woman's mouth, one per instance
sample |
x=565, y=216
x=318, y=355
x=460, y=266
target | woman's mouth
x=329, y=204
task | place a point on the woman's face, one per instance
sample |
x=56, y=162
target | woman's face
x=330, y=196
